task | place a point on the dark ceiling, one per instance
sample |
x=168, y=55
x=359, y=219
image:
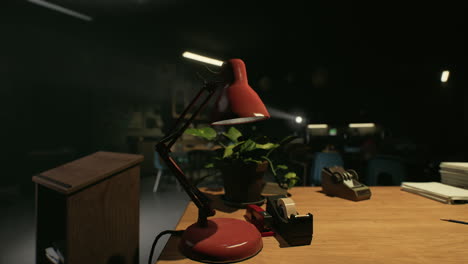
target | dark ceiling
x=315, y=54
x=295, y=31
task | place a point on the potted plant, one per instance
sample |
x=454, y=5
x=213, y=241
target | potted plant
x=243, y=161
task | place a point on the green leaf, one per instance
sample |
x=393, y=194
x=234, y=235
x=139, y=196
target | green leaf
x=233, y=134
x=292, y=183
x=291, y=178
x=267, y=146
x=248, y=145
x=290, y=175
x=209, y=165
x=229, y=150
x=252, y=160
x=205, y=132
x=281, y=167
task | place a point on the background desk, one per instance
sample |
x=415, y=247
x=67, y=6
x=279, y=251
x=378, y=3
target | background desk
x=392, y=227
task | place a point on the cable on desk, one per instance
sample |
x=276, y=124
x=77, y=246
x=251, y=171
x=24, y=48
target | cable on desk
x=172, y=232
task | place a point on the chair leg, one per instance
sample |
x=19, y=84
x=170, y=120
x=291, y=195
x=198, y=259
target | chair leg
x=179, y=187
x=156, y=182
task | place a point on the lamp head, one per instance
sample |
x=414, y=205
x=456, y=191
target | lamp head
x=238, y=103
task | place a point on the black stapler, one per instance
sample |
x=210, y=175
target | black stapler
x=336, y=181
x=295, y=229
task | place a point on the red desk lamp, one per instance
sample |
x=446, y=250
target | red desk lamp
x=218, y=240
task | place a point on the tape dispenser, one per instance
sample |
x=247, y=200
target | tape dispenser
x=336, y=181
x=294, y=228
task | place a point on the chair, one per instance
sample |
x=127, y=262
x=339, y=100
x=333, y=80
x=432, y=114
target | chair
x=161, y=168
x=300, y=155
x=321, y=160
x=385, y=170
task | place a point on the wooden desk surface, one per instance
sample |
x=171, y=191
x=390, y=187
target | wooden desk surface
x=394, y=226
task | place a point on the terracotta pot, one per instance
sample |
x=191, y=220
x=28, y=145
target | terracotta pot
x=243, y=183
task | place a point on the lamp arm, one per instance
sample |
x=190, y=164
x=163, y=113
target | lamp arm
x=175, y=133
x=163, y=148
x=184, y=113
x=198, y=198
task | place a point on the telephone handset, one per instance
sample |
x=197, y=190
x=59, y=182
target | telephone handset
x=336, y=181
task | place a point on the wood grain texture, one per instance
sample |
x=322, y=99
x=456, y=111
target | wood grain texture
x=96, y=219
x=80, y=173
x=103, y=221
x=392, y=227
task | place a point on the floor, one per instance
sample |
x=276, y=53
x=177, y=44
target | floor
x=158, y=212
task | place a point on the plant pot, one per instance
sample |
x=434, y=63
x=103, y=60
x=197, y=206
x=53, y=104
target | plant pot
x=243, y=183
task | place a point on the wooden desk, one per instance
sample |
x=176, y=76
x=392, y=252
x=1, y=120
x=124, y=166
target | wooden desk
x=394, y=226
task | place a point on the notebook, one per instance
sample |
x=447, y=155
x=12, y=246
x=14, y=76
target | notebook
x=454, y=173
x=437, y=191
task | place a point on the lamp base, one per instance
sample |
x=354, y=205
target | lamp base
x=223, y=240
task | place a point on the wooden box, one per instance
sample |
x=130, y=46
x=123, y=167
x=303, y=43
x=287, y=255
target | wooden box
x=89, y=209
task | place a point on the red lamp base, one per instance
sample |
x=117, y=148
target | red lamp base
x=223, y=240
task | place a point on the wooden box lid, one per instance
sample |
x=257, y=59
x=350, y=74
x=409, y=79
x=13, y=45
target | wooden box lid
x=83, y=172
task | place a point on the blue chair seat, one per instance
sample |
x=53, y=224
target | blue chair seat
x=321, y=160
x=385, y=170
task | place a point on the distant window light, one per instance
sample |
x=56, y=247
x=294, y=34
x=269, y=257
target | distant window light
x=193, y=56
x=332, y=132
x=317, y=126
x=360, y=125
x=445, y=76
x=299, y=119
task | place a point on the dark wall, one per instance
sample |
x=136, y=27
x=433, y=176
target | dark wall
x=69, y=88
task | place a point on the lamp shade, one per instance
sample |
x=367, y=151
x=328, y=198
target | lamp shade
x=238, y=103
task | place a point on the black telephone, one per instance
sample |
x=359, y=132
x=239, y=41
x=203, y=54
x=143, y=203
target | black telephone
x=336, y=181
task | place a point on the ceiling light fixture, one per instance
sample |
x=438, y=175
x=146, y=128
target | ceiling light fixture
x=317, y=126
x=299, y=119
x=445, y=76
x=61, y=9
x=193, y=56
x=360, y=125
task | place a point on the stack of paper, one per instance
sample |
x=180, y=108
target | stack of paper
x=454, y=173
x=438, y=191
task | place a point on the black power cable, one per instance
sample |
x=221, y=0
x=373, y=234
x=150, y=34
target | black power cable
x=172, y=232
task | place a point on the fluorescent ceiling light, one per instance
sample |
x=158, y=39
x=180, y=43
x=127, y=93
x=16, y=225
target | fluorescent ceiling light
x=445, y=76
x=193, y=56
x=317, y=126
x=298, y=119
x=358, y=125
x=61, y=9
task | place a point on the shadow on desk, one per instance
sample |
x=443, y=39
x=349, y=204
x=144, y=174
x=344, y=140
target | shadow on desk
x=322, y=192
x=215, y=194
x=173, y=242
x=282, y=243
x=217, y=203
